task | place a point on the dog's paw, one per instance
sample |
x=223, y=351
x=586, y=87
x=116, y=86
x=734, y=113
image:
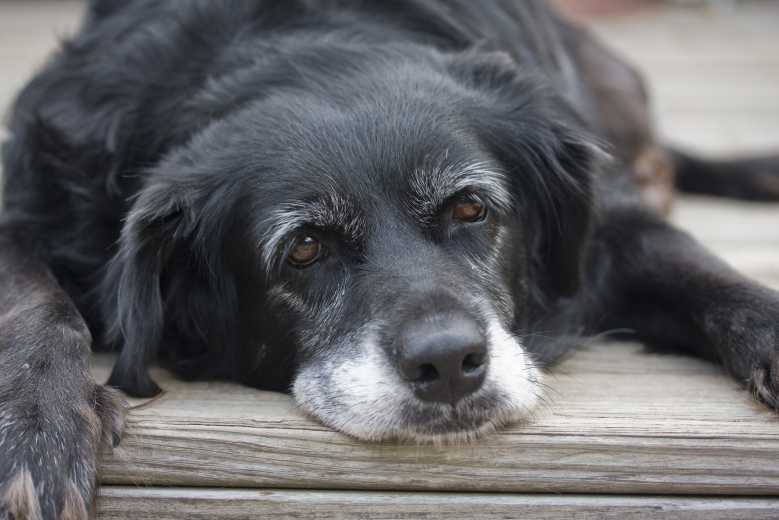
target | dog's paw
x=748, y=342
x=764, y=381
x=48, y=454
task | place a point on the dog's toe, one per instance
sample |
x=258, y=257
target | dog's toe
x=19, y=499
x=111, y=408
x=764, y=382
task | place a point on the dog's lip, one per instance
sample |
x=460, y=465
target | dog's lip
x=445, y=423
x=441, y=434
x=440, y=423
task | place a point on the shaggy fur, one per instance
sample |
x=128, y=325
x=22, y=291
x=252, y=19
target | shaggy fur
x=162, y=167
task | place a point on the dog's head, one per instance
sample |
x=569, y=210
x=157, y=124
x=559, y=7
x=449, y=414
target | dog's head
x=373, y=235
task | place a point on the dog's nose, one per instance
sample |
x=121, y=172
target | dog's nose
x=443, y=359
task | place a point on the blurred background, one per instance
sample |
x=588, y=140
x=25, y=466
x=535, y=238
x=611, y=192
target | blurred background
x=712, y=65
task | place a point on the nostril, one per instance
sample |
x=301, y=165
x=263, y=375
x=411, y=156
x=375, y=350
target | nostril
x=442, y=360
x=426, y=373
x=472, y=363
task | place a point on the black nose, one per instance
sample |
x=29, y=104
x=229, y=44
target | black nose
x=443, y=358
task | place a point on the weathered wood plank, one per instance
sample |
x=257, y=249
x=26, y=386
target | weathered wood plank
x=619, y=421
x=121, y=503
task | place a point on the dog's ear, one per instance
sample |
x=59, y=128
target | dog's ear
x=549, y=155
x=132, y=291
x=168, y=268
x=554, y=176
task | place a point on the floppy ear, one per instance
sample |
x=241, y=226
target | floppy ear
x=549, y=156
x=132, y=295
x=168, y=275
x=558, y=183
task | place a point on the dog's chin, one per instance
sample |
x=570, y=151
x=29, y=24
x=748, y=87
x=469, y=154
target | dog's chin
x=422, y=423
x=363, y=397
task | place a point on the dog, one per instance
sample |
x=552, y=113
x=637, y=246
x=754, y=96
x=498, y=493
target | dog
x=400, y=212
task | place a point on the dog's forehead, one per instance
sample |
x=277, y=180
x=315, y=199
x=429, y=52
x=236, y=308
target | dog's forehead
x=360, y=168
x=347, y=197
x=352, y=205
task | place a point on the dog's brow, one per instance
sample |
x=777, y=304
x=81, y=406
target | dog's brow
x=331, y=211
x=432, y=187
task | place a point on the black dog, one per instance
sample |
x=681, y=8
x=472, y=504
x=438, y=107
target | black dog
x=376, y=205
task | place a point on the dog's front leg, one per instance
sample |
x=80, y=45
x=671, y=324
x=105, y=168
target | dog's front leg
x=661, y=283
x=53, y=417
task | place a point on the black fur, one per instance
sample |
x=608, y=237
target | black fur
x=147, y=159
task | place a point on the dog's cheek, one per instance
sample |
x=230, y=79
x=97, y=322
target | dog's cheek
x=353, y=390
x=310, y=390
x=494, y=274
x=512, y=375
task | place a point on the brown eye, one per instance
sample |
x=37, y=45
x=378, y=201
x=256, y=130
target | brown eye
x=305, y=251
x=470, y=210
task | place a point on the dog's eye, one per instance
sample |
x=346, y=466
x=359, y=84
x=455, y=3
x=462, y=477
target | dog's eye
x=305, y=251
x=469, y=210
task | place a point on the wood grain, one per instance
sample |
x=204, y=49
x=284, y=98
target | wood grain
x=198, y=504
x=619, y=420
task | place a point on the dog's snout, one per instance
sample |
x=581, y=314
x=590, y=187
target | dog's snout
x=443, y=359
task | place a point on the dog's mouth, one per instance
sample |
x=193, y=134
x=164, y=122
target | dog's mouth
x=363, y=397
x=465, y=422
x=436, y=424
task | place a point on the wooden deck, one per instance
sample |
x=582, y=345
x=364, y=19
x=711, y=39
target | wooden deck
x=626, y=434
x=619, y=422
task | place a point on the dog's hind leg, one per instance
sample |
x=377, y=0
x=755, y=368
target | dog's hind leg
x=658, y=281
x=620, y=108
x=53, y=417
x=749, y=178
x=617, y=103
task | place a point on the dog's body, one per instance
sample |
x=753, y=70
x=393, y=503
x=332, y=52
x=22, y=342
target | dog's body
x=399, y=210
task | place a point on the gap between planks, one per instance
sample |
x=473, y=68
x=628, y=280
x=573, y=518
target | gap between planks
x=119, y=503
